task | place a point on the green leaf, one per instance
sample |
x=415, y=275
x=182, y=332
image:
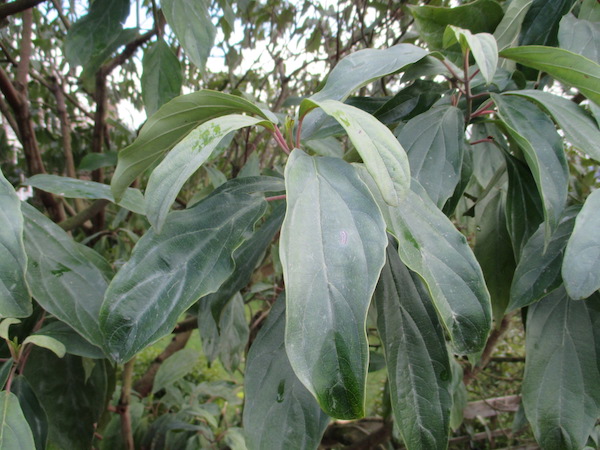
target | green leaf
x=579, y=127
x=480, y=16
x=15, y=433
x=482, y=45
x=172, y=122
x=561, y=385
x=132, y=200
x=32, y=410
x=72, y=401
x=508, y=29
x=275, y=399
x=184, y=160
x=434, y=144
x=381, y=152
x=5, y=372
x=430, y=245
x=93, y=161
x=590, y=10
x=48, y=342
x=196, y=40
x=494, y=252
x=569, y=68
x=5, y=326
x=538, y=272
x=536, y=136
x=73, y=342
x=227, y=338
x=62, y=278
x=168, y=272
x=540, y=25
x=332, y=249
x=580, y=36
x=418, y=367
x=14, y=294
x=459, y=395
x=581, y=266
x=175, y=368
x=161, y=77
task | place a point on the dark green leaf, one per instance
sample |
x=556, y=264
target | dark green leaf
x=184, y=160
x=538, y=272
x=161, y=77
x=132, y=199
x=410, y=101
x=174, y=368
x=536, y=136
x=540, y=25
x=72, y=340
x=418, y=367
x=275, y=399
x=93, y=161
x=15, y=433
x=508, y=29
x=171, y=123
x=332, y=249
x=570, y=68
x=32, y=410
x=197, y=39
x=580, y=36
x=14, y=294
x=581, y=266
x=561, y=385
x=5, y=371
x=434, y=143
x=168, y=272
x=62, y=279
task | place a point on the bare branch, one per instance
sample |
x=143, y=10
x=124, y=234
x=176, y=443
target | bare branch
x=9, y=9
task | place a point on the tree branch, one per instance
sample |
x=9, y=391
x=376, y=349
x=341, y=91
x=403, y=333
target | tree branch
x=9, y=9
x=85, y=215
x=123, y=406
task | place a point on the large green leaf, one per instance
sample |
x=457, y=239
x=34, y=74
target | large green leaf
x=15, y=433
x=184, y=160
x=275, y=399
x=192, y=24
x=14, y=295
x=132, y=199
x=570, y=68
x=434, y=143
x=62, y=278
x=579, y=127
x=381, y=152
x=430, y=245
x=175, y=368
x=73, y=402
x=508, y=29
x=483, y=47
x=418, y=367
x=540, y=25
x=32, y=410
x=479, y=16
x=169, y=125
x=538, y=272
x=536, y=136
x=581, y=266
x=161, y=77
x=332, y=250
x=168, y=272
x=580, y=36
x=561, y=385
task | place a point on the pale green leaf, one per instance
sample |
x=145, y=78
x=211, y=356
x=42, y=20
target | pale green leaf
x=174, y=368
x=161, y=76
x=73, y=342
x=590, y=10
x=482, y=45
x=48, y=342
x=275, y=399
x=508, y=29
x=184, y=160
x=580, y=36
x=332, y=249
x=15, y=433
x=5, y=326
x=581, y=266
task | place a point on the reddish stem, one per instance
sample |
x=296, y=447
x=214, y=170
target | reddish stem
x=280, y=139
x=481, y=141
x=299, y=131
x=276, y=197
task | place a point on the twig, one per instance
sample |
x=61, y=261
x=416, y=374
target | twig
x=9, y=9
x=123, y=406
x=83, y=216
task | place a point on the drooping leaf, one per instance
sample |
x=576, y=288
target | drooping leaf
x=32, y=410
x=174, y=368
x=132, y=199
x=483, y=46
x=561, y=385
x=382, y=154
x=275, y=399
x=418, y=367
x=540, y=25
x=184, y=160
x=62, y=279
x=161, y=77
x=47, y=342
x=14, y=295
x=72, y=340
x=579, y=127
x=570, y=68
x=580, y=36
x=15, y=432
x=168, y=272
x=169, y=125
x=192, y=24
x=508, y=29
x=581, y=266
x=536, y=136
x=434, y=143
x=430, y=245
x=538, y=272
x=480, y=16
x=332, y=248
